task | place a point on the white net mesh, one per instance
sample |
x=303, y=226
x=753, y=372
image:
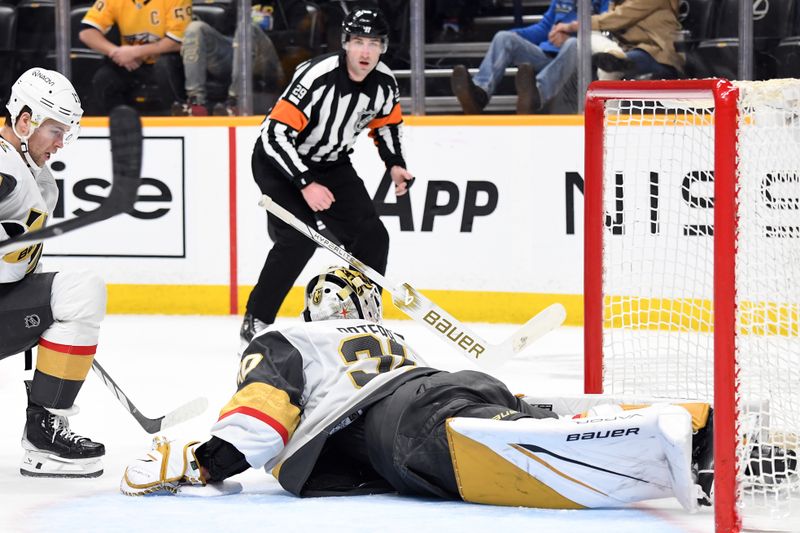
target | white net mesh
x=767, y=298
x=658, y=281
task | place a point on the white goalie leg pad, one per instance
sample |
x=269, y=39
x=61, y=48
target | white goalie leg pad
x=600, y=404
x=37, y=463
x=570, y=405
x=566, y=464
x=163, y=469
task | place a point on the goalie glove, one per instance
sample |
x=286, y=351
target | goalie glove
x=163, y=469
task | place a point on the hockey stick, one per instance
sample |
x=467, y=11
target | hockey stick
x=183, y=413
x=125, y=131
x=440, y=322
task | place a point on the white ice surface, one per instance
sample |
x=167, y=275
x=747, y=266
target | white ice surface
x=161, y=362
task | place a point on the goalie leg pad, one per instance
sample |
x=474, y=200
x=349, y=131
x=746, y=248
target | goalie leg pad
x=567, y=464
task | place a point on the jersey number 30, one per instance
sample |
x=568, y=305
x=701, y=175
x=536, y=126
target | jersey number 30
x=361, y=347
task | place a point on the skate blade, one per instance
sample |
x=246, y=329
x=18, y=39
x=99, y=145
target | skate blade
x=38, y=464
x=28, y=473
x=211, y=490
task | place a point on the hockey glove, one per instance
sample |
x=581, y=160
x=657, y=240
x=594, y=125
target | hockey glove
x=163, y=469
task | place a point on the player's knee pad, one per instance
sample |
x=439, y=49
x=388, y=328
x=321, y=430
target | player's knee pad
x=79, y=296
x=567, y=464
x=78, y=302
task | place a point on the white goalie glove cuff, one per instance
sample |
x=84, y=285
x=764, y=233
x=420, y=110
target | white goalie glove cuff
x=163, y=469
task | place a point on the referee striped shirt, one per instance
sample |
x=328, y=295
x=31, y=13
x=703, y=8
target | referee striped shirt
x=318, y=117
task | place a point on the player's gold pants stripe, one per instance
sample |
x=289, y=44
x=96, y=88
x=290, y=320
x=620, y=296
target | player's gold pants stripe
x=554, y=469
x=483, y=476
x=268, y=400
x=63, y=365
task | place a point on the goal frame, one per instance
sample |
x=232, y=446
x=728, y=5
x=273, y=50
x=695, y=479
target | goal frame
x=725, y=96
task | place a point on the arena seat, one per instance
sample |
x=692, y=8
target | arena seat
x=8, y=28
x=35, y=37
x=218, y=15
x=772, y=22
x=696, y=18
x=787, y=53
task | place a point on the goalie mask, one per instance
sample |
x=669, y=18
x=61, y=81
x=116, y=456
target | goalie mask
x=342, y=293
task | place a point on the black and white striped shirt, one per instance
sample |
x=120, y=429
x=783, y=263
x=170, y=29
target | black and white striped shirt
x=322, y=111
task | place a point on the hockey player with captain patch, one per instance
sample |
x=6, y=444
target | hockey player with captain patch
x=58, y=311
x=341, y=405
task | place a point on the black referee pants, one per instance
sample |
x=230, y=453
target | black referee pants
x=352, y=218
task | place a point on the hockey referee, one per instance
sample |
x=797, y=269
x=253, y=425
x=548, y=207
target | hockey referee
x=302, y=159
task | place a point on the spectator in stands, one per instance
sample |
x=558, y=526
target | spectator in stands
x=151, y=34
x=646, y=31
x=535, y=46
x=207, y=51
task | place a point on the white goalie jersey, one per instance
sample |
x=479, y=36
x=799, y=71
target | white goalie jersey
x=26, y=200
x=298, y=384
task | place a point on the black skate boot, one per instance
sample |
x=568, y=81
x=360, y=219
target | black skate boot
x=250, y=327
x=703, y=459
x=771, y=465
x=53, y=450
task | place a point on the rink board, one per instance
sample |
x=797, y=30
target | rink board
x=492, y=231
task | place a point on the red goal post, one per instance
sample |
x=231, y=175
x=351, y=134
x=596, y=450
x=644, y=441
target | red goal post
x=691, y=269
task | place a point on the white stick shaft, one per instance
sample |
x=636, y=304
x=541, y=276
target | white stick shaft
x=444, y=325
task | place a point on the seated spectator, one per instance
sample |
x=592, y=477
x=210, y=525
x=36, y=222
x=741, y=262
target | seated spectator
x=536, y=47
x=207, y=51
x=645, y=29
x=151, y=34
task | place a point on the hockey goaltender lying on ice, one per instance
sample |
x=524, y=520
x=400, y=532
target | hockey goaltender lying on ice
x=340, y=404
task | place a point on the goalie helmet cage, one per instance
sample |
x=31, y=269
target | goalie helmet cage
x=692, y=270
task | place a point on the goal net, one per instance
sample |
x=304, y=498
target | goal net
x=692, y=271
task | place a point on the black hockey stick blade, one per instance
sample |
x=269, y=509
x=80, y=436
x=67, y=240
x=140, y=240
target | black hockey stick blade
x=125, y=131
x=183, y=413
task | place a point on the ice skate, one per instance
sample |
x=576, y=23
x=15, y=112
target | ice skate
x=52, y=449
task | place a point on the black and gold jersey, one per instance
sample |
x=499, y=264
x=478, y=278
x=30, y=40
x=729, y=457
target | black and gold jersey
x=299, y=383
x=27, y=199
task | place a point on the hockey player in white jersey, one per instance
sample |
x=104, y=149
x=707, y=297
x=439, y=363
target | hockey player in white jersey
x=341, y=405
x=58, y=311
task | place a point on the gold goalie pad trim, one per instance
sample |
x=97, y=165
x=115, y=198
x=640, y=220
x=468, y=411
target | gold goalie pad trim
x=484, y=476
